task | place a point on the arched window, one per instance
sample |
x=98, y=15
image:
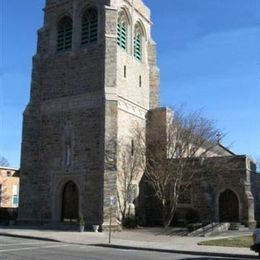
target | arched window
x=138, y=42
x=122, y=30
x=64, y=35
x=89, y=26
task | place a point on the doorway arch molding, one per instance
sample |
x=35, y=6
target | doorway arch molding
x=217, y=206
x=58, y=194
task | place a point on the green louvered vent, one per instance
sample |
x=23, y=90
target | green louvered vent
x=122, y=35
x=138, y=47
x=64, y=37
x=89, y=33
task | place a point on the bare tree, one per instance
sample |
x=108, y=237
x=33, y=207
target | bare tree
x=4, y=196
x=3, y=161
x=128, y=153
x=174, y=156
x=258, y=165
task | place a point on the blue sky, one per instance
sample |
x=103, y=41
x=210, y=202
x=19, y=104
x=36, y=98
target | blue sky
x=208, y=54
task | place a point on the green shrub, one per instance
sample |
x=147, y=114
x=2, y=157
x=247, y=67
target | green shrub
x=130, y=222
x=81, y=221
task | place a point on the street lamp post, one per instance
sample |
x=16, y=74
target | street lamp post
x=112, y=202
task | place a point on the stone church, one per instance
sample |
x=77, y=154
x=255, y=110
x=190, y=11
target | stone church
x=94, y=75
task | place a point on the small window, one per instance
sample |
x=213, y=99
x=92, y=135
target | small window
x=132, y=147
x=89, y=27
x=15, y=196
x=64, y=35
x=8, y=173
x=140, y=81
x=15, y=201
x=124, y=71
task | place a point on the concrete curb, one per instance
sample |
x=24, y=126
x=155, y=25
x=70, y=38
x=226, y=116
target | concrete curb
x=186, y=252
x=30, y=237
x=232, y=256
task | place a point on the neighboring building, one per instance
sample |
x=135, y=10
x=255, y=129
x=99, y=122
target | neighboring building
x=94, y=76
x=9, y=187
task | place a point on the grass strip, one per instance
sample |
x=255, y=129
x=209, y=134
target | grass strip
x=245, y=241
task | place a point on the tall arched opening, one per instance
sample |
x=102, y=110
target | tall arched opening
x=228, y=206
x=70, y=203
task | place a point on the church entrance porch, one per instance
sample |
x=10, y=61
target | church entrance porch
x=228, y=207
x=70, y=203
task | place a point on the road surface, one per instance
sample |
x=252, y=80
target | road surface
x=18, y=249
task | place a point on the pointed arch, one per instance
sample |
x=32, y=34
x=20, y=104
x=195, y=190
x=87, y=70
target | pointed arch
x=64, y=33
x=89, y=26
x=123, y=28
x=70, y=202
x=139, y=39
x=228, y=202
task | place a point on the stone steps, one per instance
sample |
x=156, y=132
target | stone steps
x=217, y=229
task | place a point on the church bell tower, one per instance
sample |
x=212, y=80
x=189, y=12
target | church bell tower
x=94, y=74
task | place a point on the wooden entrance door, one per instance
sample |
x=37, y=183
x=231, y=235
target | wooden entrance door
x=228, y=207
x=70, y=202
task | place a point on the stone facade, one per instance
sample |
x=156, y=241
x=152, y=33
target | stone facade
x=82, y=98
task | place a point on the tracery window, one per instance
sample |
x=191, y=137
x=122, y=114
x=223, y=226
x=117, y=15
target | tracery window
x=64, y=34
x=89, y=26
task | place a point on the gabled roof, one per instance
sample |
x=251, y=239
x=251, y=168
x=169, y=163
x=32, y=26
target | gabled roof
x=223, y=149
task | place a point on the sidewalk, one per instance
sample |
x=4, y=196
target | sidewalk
x=153, y=239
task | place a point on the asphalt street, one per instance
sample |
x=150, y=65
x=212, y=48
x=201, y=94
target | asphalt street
x=19, y=249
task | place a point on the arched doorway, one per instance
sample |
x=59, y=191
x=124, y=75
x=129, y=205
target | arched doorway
x=70, y=203
x=228, y=207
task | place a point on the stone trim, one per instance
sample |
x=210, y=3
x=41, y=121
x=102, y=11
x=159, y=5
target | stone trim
x=114, y=36
x=57, y=190
x=133, y=103
x=90, y=100
x=107, y=7
x=131, y=108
